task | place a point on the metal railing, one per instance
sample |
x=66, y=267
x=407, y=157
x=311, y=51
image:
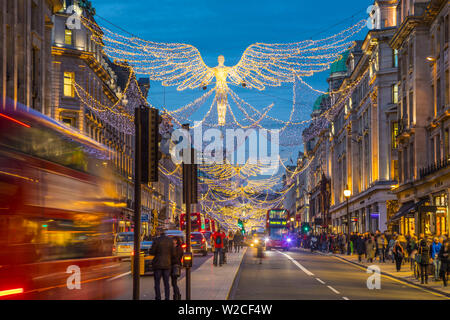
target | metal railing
x=438, y=165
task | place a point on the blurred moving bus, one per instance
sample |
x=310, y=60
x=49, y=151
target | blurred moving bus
x=57, y=206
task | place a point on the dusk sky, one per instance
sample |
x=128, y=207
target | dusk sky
x=228, y=28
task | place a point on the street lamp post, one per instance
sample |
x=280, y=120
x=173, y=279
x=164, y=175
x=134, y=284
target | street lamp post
x=347, y=194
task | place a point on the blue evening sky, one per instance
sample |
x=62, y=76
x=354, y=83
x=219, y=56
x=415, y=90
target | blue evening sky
x=227, y=28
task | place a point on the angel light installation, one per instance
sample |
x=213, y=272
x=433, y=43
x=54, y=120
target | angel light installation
x=261, y=65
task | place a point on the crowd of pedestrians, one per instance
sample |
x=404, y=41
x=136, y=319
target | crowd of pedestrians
x=424, y=256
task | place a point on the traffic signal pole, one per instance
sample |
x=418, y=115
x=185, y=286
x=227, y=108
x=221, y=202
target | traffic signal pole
x=146, y=158
x=187, y=182
x=137, y=203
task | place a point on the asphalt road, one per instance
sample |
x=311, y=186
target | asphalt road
x=125, y=280
x=306, y=276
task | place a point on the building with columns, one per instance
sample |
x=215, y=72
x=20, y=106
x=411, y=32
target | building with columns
x=363, y=150
x=25, y=52
x=84, y=80
x=422, y=41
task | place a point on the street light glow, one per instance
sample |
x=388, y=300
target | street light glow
x=347, y=193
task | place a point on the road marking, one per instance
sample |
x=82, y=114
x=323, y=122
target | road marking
x=333, y=289
x=120, y=276
x=320, y=281
x=345, y=298
x=309, y=273
x=394, y=279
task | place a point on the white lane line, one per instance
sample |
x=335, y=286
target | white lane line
x=333, y=289
x=120, y=276
x=309, y=273
x=345, y=298
x=320, y=281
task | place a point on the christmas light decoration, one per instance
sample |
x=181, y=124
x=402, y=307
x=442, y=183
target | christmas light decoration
x=261, y=65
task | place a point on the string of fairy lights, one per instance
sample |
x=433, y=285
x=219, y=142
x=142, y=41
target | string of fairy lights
x=227, y=188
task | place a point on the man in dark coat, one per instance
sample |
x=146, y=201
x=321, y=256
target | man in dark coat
x=163, y=250
x=360, y=247
x=425, y=256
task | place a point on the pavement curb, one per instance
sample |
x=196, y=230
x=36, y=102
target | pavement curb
x=382, y=272
x=236, y=277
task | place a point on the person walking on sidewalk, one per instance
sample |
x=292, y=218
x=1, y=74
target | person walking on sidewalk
x=425, y=255
x=360, y=246
x=412, y=251
x=399, y=254
x=435, y=248
x=391, y=245
x=237, y=241
x=445, y=261
x=370, y=249
x=225, y=248
x=176, y=267
x=218, y=238
x=381, y=247
x=163, y=251
x=230, y=241
x=401, y=238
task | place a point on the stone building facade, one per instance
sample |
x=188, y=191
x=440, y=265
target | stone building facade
x=25, y=52
x=423, y=116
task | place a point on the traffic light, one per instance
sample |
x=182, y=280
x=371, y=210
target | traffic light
x=191, y=181
x=306, y=227
x=240, y=224
x=151, y=138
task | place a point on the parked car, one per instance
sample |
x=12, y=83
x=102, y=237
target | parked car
x=124, y=244
x=208, y=238
x=199, y=243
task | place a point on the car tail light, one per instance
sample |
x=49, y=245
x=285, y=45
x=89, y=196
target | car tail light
x=184, y=246
x=132, y=253
x=9, y=292
x=203, y=240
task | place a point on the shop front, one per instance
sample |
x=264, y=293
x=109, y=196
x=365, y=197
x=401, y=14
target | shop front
x=440, y=200
x=423, y=217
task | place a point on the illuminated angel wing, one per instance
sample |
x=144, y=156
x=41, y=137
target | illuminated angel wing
x=175, y=64
x=264, y=64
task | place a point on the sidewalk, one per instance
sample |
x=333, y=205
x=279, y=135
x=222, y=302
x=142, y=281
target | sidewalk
x=213, y=283
x=389, y=269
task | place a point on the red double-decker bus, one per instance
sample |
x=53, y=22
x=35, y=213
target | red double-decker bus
x=57, y=207
x=197, y=222
x=277, y=229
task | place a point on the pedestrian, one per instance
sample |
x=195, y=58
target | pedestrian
x=401, y=238
x=391, y=245
x=360, y=247
x=163, y=250
x=237, y=241
x=424, y=252
x=398, y=253
x=381, y=247
x=230, y=241
x=370, y=249
x=413, y=251
x=176, y=267
x=435, y=249
x=218, y=238
x=445, y=261
x=225, y=248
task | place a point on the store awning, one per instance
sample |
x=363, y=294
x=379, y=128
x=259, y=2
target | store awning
x=406, y=209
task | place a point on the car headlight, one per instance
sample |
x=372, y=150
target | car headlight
x=256, y=241
x=288, y=239
x=266, y=239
